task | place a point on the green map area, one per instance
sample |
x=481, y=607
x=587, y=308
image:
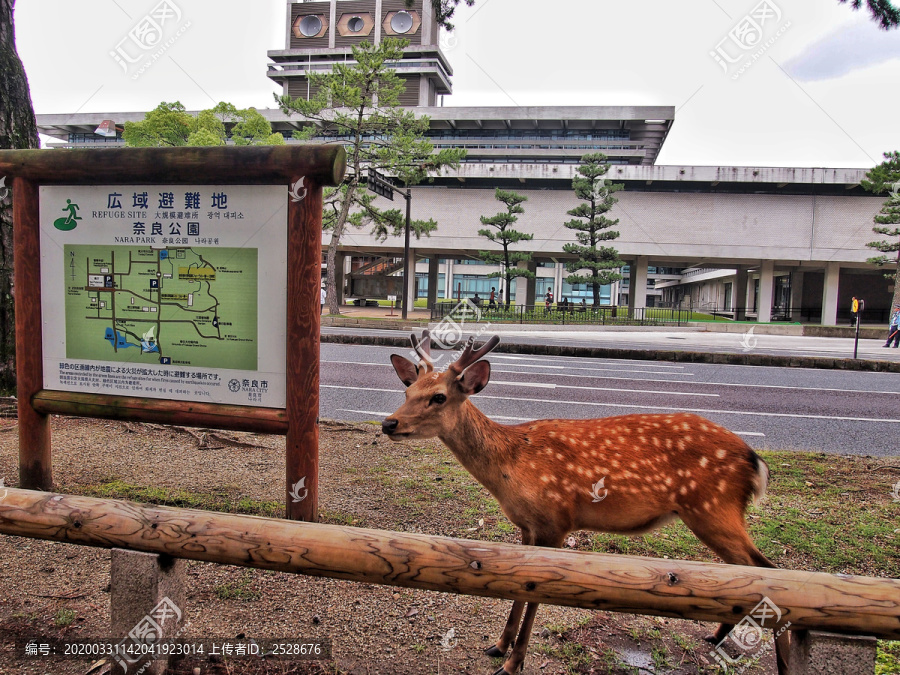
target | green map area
x=177, y=305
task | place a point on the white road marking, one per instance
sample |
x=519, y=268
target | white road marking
x=528, y=365
x=387, y=414
x=708, y=411
x=544, y=385
x=748, y=433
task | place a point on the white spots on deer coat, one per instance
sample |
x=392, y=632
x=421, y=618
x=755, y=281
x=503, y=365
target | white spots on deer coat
x=721, y=452
x=669, y=480
x=552, y=434
x=655, y=441
x=560, y=456
x=683, y=491
x=622, y=440
x=703, y=462
x=680, y=444
x=706, y=506
x=545, y=479
x=643, y=440
x=722, y=485
x=693, y=485
x=533, y=465
x=668, y=444
x=633, y=465
x=615, y=464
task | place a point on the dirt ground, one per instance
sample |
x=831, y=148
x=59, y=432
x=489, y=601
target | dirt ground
x=58, y=590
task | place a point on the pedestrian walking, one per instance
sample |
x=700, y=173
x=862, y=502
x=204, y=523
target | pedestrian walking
x=322, y=300
x=894, y=330
x=492, y=303
x=548, y=300
x=854, y=310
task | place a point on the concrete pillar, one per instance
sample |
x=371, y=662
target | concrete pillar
x=340, y=264
x=796, y=295
x=332, y=27
x=637, y=284
x=379, y=17
x=433, y=279
x=530, y=284
x=449, y=284
x=146, y=600
x=766, y=291
x=739, y=294
x=411, y=267
x=815, y=652
x=830, y=294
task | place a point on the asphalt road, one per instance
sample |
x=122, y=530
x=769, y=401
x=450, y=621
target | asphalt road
x=835, y=411
x=686, y=339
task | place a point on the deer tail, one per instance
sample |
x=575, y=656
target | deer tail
x=760, y=480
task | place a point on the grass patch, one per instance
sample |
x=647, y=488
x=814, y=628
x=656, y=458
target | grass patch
x=888, y=660
x=64, y=617
x=240, y=590
x=210, y=501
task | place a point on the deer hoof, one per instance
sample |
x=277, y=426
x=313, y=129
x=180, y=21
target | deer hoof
x=712, y=639
x=501, y=671
x=494, y=652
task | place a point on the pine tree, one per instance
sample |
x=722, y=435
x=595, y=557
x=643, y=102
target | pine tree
x=886, y=178
x=18, y=130
x=592, y=227
x=358, y=104
x=506, y=236
x=883, y=12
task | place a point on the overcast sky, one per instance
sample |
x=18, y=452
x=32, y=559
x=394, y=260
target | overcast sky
x=821, y=91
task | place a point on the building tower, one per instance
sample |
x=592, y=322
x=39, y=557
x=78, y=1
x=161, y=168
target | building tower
x=321, y=33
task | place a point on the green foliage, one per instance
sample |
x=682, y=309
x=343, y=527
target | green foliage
x=886, y=178
x=64, y=617
x=506, y=237
x=169, y=125
x=592, y=227
x=443, y=10
x=883, y=12
x=358, y=104
x=254, y=129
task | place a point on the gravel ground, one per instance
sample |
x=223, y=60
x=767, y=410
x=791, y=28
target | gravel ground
x=51, y=590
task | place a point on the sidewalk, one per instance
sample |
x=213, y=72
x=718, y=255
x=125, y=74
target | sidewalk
x=778, y=345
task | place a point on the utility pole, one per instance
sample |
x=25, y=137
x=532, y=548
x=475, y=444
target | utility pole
x=382, y=186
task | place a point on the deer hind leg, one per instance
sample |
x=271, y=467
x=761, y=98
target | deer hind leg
x=729, y=539
x=515, y=615
x=514, y=663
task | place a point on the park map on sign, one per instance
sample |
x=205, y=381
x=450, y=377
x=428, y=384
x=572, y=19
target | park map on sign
x=176, y=305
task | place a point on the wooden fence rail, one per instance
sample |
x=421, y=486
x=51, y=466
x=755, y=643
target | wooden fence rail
x=672, y=588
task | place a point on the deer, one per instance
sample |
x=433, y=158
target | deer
x=545, y=474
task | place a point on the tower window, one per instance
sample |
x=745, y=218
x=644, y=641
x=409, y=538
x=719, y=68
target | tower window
x=310, y=26
x=356, y=24
x=402, y=22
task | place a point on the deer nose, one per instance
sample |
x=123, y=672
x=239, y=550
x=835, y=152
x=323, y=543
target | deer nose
x=389, y=426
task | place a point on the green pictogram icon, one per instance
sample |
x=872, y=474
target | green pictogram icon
x=69, y=222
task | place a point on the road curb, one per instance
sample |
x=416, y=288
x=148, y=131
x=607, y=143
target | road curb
x=647, y=354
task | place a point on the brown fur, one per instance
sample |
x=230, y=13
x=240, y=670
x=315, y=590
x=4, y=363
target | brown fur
x=547, y=474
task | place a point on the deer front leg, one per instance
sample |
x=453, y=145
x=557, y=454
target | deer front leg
x=515, y=615
x=517, y=657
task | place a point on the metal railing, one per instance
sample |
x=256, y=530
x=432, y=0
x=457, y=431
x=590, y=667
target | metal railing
x=562, y=315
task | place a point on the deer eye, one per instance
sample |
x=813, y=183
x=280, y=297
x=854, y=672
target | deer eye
x=438, y=399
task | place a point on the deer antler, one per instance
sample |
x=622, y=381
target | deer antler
x=470, y=356
x=423, y=349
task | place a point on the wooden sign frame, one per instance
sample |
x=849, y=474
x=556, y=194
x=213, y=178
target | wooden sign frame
x=312, y=166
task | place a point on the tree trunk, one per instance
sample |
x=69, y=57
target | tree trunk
x=331, y=295
x=18, y=129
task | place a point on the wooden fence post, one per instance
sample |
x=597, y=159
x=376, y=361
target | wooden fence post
x=35, y=468
x=303, y=320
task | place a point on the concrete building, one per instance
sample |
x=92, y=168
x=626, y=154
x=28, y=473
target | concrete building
x=768, y=243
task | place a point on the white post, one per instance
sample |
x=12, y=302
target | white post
x=830, y=294
x=766, y=291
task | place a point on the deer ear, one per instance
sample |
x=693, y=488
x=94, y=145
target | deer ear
x=475, y=377
x=406, y=369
